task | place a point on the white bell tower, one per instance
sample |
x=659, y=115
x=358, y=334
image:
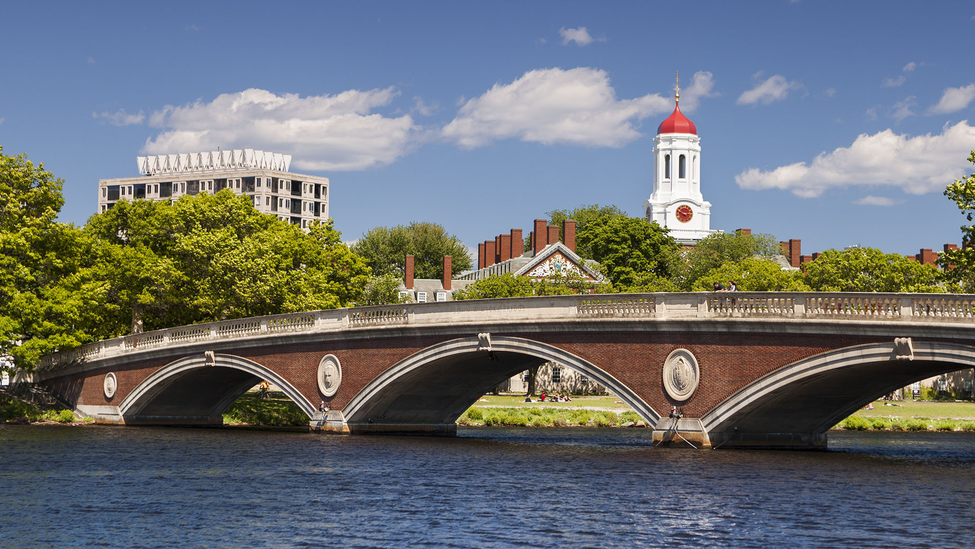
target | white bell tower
x=676, y=202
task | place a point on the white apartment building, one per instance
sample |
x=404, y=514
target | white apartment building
x=263, y=176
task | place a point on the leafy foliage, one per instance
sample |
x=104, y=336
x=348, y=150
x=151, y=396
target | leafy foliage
x=385, y=250
x=959, y=265
x=382, y=290
x=870, y=270
x=148, y=265
x=720, y=249
x=509, y=285
x=584, y=216
x=630, y=249
x=753, y=274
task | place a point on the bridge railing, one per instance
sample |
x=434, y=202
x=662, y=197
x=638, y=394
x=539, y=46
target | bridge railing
x=924, y=308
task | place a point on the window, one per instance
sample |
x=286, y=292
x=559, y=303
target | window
x=556, y=374
x=404, y=295
x=268, y=201
x=113, y=192
x=104, y=192
x=258, y=182
x=666, y=166
x=441, y=296
x=421, y=297
x=681, y=167
x=103, y=208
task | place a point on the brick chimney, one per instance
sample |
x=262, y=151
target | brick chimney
x=743, y=231
x=408, y=273
x=927, y=257
x=795, y=252
x=517, y=243
x=480, y=256
x=505, y=250
x=540, y=235
x=553, y=234
x=448, y=276
x=569, y=234
x=490, y=254
x=497, y=249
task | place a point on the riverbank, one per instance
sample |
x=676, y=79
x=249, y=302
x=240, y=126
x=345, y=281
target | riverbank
x=18, y=412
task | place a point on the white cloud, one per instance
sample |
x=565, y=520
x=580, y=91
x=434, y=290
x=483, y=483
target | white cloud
x=830, y=92
x=872, y=113
x=702, y=85
x=323, y=132
x=902, y=109
x=916, y=165
x=775, y=88
x=580, y=36
x=121, y=118
x=575, y=107
x=893, y=82
x=420, y=107
x=899, y=81
x=877, y=201
x=954, y=99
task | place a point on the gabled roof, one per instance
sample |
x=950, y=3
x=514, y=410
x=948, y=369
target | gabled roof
x=557, y=258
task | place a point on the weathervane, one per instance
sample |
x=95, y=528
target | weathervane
x=677, y=89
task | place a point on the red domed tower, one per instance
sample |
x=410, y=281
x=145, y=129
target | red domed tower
x=676, y=202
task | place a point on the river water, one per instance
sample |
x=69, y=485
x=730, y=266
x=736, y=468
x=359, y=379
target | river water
x=184, y=488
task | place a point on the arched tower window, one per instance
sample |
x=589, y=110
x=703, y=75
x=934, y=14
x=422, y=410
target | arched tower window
x=666, y=166
x=681, y=167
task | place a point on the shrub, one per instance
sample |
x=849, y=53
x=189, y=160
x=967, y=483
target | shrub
x=60, y=416
x=605, y=419
x=880, y=423
x=540, y=421
x=855, y=423
x=474, y=413
x=897, y=424
x=968, y=426
x=915, y=424
x=944, y=425
x=560, y=422
x=629, y=415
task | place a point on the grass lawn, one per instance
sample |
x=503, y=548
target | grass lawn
x=923, y=408
x=609, y=402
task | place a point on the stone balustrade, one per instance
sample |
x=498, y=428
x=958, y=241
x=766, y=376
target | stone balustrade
x=922, y=308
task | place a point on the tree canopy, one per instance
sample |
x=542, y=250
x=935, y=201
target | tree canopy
x=583, y=216
x=959, y=265
x=629, y=249
x=385, y=250
x=720, y=249
x=870, y=270
x=149, y=265
x=509, y=285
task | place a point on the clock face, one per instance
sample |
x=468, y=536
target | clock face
x=684, y=213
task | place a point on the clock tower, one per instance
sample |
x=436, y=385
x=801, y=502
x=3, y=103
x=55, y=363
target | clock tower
x=676, y=202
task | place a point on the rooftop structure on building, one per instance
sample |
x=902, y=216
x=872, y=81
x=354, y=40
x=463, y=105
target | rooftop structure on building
x=676, y=202
x=261, y=175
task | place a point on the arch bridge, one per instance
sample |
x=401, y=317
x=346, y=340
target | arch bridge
x=749, y=369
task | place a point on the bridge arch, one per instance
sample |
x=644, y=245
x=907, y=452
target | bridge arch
x=198, y=389
x=803, y=400
x=434, y=386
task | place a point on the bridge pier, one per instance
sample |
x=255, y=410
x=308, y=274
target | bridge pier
x=681, y=433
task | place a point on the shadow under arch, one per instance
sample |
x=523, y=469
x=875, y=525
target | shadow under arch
x=803, y=400
x=191, y=391
x=429, y=390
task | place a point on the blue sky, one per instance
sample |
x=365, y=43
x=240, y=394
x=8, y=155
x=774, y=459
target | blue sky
x=838, y=123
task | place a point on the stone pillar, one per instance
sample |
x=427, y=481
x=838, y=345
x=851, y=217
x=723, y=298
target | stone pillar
x=447, y=274
x=540, y=235
x=569, y=234
x=408, y=273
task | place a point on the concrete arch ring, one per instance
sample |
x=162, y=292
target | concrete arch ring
x=329, y=375
x=681, y=374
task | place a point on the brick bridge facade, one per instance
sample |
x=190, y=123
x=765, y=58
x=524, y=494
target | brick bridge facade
x=749, y=370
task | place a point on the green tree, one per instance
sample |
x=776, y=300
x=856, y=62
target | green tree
x=718, y=249
x=583, y=216
x=35, y=252
x=385, y=250
x=870, y=270
x=382, y=290
x=629, y=249
x=959, y=265
x=509, y=285
x=753, y=274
